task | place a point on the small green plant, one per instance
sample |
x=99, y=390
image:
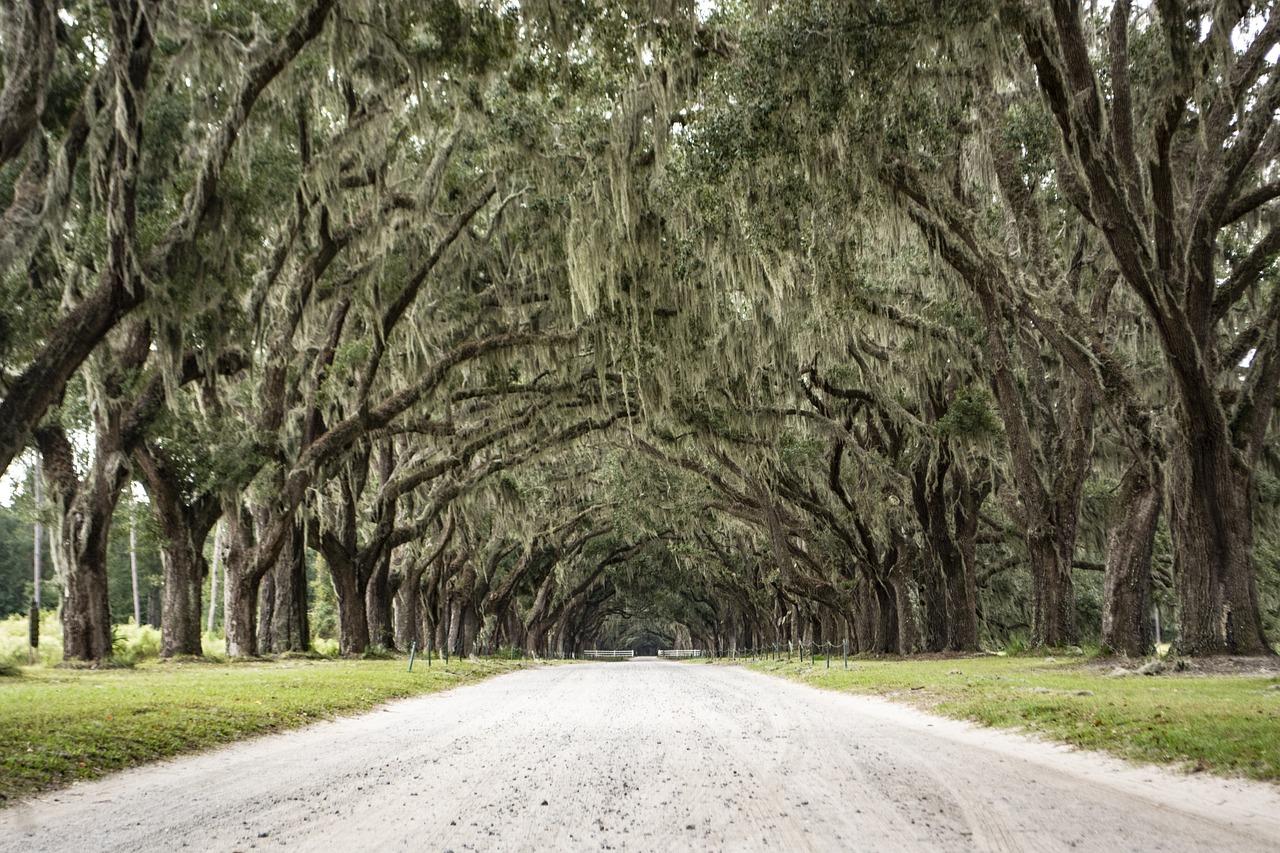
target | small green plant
x=132, y=644
x=1015, y=646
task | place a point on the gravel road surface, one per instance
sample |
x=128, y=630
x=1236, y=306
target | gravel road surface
x=647, y=755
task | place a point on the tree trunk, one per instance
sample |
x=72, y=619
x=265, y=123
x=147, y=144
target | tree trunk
x=266, y=613
x=933, y=593
x=441, y=634
x=240, y=607
x=1126, y=598
x=155, y=607
x=1053, y=614
x=241, y=614
x=290, y=630
x=184, y=571
x=936, y=569
x=378, y=605
x=905, y=641
x=213, y=578
x=1048, y=475
x=470, y=627
x=534, y=626
x=353, y=624
x=1212, y=529
x=82, y=534
x=37, y=544
x=133, y=568
x=863, y=617
x=885, y=634
x=408, y=611
x=962, y=580
x=86, y=615
x=455, y=624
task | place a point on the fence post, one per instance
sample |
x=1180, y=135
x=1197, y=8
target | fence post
x=828, y=656
x=413, y=647
x=846, y=652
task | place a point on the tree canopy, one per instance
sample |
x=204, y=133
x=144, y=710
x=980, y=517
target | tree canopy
x=917, y=326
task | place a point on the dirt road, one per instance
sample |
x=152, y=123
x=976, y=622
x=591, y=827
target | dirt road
x=646, y=756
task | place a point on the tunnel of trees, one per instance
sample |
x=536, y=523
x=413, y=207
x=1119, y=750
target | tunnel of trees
x=480, y=326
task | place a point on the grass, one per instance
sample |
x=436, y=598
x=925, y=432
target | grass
x=1225, y=724
x=132, y=645
x=60, y=725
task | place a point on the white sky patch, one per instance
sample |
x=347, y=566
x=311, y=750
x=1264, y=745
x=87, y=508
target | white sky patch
x=13, y=480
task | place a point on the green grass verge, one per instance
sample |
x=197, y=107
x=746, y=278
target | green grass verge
x=1225, y=724
x=60, y=725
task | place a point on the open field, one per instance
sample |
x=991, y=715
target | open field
x=60, y=725
x=1224, y=724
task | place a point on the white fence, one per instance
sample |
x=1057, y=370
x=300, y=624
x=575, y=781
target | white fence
x=679, y=653
x=608, y=654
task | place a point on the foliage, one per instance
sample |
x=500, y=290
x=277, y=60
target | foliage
x=548, y=324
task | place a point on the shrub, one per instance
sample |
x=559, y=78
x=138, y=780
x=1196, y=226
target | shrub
x=325, y=646
x=132, y=643
x=14, y=641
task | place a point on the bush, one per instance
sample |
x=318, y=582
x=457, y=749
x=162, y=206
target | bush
x=1016, y=645
x=325, y=646
x=132, y=643
x=14, y=642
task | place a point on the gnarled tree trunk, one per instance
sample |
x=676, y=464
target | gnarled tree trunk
x=1212, y=530
x=81, y=536
x=290, y=628
x=240, y=607
x=1126, y=584
x=378, y=605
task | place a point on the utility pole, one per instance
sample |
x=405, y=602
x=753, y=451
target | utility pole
x=213, y=577
x=133, y=564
